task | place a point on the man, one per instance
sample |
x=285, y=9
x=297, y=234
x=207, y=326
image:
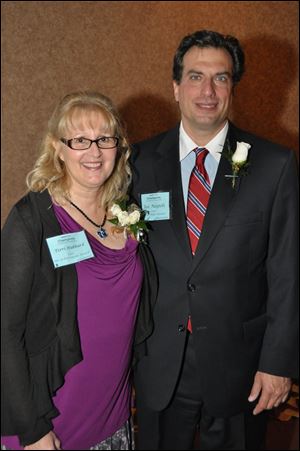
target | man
x=224, y=235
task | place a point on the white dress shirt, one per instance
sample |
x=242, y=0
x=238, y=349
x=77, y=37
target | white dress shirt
x=188, y=157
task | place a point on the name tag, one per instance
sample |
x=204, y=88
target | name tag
x=69, y=248
x=157, y=206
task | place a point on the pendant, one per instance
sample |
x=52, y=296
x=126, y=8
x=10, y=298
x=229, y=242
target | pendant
x=102, y=233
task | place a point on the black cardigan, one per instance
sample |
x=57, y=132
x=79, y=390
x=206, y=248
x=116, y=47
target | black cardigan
x=40, y=336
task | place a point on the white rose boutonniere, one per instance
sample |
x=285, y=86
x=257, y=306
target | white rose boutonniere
x=241, y=154
x=238, y=160
x=129, y=219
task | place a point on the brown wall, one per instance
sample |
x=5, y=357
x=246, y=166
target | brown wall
x=125, y=49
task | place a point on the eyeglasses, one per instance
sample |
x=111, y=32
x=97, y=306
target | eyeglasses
x=104, y=142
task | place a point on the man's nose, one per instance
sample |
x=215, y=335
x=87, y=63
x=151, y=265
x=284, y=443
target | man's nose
x=208, y=87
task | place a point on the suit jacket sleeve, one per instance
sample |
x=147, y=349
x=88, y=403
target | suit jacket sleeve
x=279, y=354
x=19, y=415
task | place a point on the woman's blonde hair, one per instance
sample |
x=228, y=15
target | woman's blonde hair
x=49, y=171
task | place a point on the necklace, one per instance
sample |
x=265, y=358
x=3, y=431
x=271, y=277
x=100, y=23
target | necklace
x=101, y=232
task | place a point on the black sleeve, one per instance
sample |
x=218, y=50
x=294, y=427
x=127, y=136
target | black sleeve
x=19, y=413
x=280, y=352
x=144, y=323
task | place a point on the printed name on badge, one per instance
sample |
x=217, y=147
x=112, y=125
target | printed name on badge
x=157, y=206
x=69, y=248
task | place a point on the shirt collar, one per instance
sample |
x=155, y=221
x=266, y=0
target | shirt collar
x=214, y=146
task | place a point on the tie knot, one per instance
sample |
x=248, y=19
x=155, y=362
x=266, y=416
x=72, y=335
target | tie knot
x=201, y=153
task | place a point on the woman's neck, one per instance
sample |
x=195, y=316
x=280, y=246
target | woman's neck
x=87, y=200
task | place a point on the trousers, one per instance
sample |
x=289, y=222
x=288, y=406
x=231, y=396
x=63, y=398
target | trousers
x=186, y=425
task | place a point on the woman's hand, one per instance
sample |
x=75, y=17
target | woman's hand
x=49, y=441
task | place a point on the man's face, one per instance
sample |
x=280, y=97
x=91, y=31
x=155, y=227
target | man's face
x=205, y=90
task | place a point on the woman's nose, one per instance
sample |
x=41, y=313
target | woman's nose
x=94, y=149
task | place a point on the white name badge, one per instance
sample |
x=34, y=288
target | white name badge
x=157, y=206
x=69, y=248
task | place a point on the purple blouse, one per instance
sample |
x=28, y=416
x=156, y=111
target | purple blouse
x=95, y=400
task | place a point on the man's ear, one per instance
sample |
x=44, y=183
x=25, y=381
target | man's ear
x=176, y=90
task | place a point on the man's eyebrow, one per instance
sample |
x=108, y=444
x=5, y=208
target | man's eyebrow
x=199, y=72
x=194, y=71
x=225, y=72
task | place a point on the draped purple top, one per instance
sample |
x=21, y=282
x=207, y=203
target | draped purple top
x=95, y=400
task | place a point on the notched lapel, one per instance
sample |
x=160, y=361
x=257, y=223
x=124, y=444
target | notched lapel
x=221, y=200
x=168, y=178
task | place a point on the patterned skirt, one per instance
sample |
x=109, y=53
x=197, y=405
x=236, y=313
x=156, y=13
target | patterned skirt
x=122, y=439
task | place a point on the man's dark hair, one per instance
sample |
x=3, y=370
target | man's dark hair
x=203, y=39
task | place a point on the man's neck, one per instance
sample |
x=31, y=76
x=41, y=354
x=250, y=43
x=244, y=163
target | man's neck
x=201, y=136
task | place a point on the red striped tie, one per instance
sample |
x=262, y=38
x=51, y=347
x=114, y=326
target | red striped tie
x=198, y=197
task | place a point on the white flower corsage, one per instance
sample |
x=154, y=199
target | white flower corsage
x=238, y=160
x=129, y=219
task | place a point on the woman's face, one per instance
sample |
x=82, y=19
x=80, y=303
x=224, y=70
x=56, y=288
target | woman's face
x=87, y=169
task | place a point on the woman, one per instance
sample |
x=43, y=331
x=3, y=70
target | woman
x=71, y=288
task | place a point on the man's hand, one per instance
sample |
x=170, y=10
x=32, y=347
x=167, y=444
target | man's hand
x=49, y=441
x=273, y=390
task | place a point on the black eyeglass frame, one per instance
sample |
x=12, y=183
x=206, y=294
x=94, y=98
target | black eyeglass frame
x=67, y=142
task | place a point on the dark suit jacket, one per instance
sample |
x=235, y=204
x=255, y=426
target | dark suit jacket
x=241, y=286
x=40, y=337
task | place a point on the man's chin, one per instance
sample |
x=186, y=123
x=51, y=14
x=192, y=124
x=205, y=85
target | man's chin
x=209, y=124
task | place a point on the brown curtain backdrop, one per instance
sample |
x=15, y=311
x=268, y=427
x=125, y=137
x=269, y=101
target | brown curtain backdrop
x=125, y=49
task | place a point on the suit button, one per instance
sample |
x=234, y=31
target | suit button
x=191, y=287
x=181, y=328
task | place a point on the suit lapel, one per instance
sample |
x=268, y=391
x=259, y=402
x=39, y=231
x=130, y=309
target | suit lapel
x=221, y=200
x=168, y=178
